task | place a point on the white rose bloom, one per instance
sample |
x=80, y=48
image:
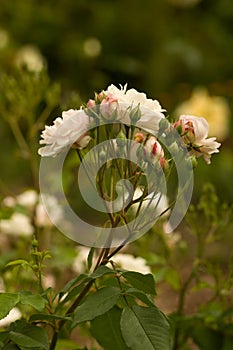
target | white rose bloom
x=195, y=131
x=13, y=315
x=18, y=224
x=67, y=131
x=131, y=263
x=133, y=97
x=151, y=110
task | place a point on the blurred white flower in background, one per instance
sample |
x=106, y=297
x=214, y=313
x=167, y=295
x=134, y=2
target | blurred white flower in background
x=214, y=109
x=21, y=223
x=154, y=201
x=18, y=224
x=131, y=263
x=123, y=261
x=29, y=56
x=9, y=202
x=41, y=215
x=27, y=198
x=13, y=315
x=80, y=262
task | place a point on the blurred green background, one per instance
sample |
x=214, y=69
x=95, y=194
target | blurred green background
x=166, y=48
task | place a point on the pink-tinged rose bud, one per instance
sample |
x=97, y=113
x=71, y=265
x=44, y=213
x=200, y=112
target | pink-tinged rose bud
x=153, y=150
x=163, y=163
x=139, y=137
x=109, y=106
x=91, y=104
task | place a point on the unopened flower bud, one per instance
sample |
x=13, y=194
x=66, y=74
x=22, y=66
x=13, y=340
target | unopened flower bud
x=91, y=104
x=35, y=243
x=139, y=137
x=163, y=124
x=121, y=139
x=164, y=163
x=174, y=149
x=135, y=115
x=102, y=155
x=153, y=150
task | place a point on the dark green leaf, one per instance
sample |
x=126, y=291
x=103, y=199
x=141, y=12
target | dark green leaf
x=36, y=301
x=7, y=302
x=3, y=336
x=102, y=271
x=10, y=347
x=96, y=304
x=73, y=293
x=145, y=283
x=145, y=328
x=206, y=338
x=106, y=330
x=71, y=283
x=28, y=336
x=46, y=317
x=90, y=258
x=147, y=300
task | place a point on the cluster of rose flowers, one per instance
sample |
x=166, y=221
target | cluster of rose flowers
x=114, y=104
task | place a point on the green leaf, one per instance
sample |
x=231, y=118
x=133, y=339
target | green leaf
x=46, y=317
x=145, y=283
x=102, y=271
x=36, y=301
x=11, y=347
x=7, y=302
x=64, y=344
x=106, y=330
x=83, y=277
x=17, y=262
x=206, y=338
x=146, y=299
x=90, y=257
x=145, y=328
x=28, y=336
x=96, y=304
